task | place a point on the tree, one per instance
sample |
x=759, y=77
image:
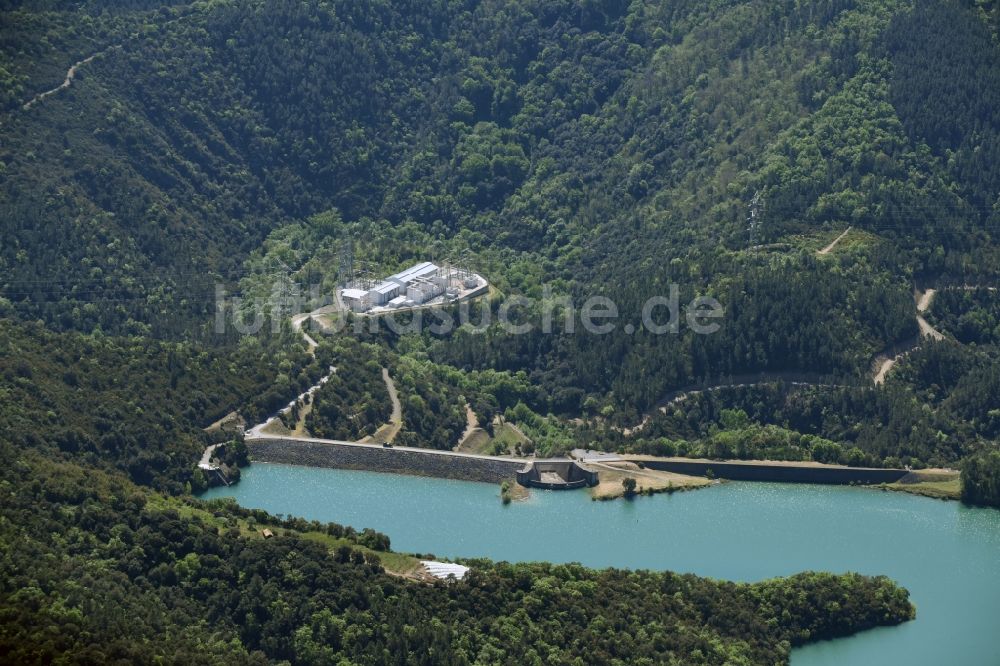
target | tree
x=628, y=483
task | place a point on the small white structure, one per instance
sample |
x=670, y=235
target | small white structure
x=445, y=570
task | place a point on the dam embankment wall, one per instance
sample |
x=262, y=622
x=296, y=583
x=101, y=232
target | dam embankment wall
x=786, y=473
x=374, y=458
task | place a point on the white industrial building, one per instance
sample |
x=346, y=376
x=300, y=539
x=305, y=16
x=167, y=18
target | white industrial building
x=416, y=285
x=357, y=300
x=416, y=272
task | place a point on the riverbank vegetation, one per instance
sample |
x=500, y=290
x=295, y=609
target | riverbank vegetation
x=137, y=573
x=981, y=479
x=135, y=404
x=935, y=409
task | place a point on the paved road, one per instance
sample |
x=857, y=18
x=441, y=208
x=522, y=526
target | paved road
x=258, y=430
x=206, y=458
x=882, y=365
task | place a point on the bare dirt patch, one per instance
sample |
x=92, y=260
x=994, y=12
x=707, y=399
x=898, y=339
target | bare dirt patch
x=611, y=475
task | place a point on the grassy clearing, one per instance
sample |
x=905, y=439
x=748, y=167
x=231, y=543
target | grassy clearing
x=855, y=239
x=399, y=564
x=504, y=435
x=508, y=436
x=226, y=423
x=940, y=484
x=477, y=442
x=275, y=427
x=300, y=425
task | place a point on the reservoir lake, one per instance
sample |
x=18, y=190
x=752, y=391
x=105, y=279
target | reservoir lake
x=946, y=554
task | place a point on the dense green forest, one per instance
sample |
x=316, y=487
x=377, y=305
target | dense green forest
x=135, y=404
x=563, y=149
x=433, y=410
x=971, y=315
x=936, y=408
x=611, y=149
x=981, y=479
x=354, y=401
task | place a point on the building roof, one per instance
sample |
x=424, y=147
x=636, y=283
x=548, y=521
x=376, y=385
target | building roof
x=386, y=287
x=413, y=272
x=445, y=569
x=353, y=293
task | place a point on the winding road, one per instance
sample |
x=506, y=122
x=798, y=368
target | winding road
x=297, y=322
x=68, y=81
x=923, y=303
x=886, y=360
x=745, y=380
x=882, y=364
x=71, y=73
x=258, y=430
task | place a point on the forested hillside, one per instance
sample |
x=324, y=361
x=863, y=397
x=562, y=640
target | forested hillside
x=559, y=148
x=134, y=404
x=607, y=148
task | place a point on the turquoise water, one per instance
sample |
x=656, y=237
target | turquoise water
x=946, y=554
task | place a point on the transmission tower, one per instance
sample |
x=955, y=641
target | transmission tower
x=366, y=276
x=346, y=267
x=755, y=220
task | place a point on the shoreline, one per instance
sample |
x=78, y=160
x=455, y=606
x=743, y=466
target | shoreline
x=943, y=484
x=521, y=493
x=653, y=474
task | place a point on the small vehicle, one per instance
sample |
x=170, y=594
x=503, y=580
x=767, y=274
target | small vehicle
x=386, y=445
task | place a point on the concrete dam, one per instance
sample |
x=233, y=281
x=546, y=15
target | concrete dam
x=376, y=458
x=790, y=472
x=556, y=474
